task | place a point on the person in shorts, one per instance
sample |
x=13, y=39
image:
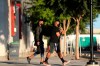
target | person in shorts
x=54, y=44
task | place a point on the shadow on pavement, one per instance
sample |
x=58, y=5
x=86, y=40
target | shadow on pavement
x=56, y=65
x=36, y=64
x=12, y=62
x=74, y=65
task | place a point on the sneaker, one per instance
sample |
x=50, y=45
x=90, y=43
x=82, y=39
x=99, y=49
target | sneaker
x=46, y=64
x=66, y=62
x=28, y=60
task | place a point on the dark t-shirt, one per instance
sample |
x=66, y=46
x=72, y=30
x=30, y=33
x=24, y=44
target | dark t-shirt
x=54, y=38
x=38, y=33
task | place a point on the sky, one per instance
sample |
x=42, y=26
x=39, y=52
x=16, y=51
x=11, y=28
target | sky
x=96, y=23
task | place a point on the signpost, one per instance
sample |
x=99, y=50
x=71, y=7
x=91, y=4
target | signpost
x=91, y=62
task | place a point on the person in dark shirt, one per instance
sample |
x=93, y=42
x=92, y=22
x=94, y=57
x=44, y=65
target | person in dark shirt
x=38, y=42
x=54, y=44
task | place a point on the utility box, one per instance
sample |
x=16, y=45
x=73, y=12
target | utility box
x=13, y=50
x=85, y=43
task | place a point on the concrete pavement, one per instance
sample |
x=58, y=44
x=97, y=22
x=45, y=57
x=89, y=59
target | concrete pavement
x=54, y=61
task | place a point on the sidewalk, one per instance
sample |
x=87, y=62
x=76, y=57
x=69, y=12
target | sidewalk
x=54, y=61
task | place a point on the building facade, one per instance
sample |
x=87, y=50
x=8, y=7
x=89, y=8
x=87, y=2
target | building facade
x=4, y=29
x=10, y=25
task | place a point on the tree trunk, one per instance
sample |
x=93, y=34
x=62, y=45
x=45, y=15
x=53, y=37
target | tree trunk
x=68, y=24
x=65, y=30
x=64, y=26
x=77, y=41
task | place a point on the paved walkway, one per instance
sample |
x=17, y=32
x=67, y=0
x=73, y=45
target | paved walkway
x=54, y=61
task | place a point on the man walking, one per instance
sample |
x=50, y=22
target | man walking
x=54, y=44
x=38, y=42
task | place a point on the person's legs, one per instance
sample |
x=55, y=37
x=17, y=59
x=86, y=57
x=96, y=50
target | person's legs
x=33, y=54
x=59, y=52
x=62, y=59
x=46, y=59
x=48, y=53
x=61, y=56
x=50, y=50
x=42, y=53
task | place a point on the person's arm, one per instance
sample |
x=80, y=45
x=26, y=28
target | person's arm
x=58, y=34
x=62, y=31
x=37, y=35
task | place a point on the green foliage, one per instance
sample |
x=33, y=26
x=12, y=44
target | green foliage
x=39, y=11
x=51, y=10
x=48, y=16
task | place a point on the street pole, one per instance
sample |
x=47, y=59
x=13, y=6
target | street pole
x=91, y=62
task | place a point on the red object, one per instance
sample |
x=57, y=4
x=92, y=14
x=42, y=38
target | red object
x=12, y=19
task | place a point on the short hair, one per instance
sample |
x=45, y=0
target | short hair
x=56, y=21
x=40, y=20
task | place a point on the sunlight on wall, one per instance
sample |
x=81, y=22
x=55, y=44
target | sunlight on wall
x=2, y=45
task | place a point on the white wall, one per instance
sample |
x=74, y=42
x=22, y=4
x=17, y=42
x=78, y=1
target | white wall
x=23, y=40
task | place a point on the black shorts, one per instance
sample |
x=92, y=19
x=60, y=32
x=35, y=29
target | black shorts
x=54, y=46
